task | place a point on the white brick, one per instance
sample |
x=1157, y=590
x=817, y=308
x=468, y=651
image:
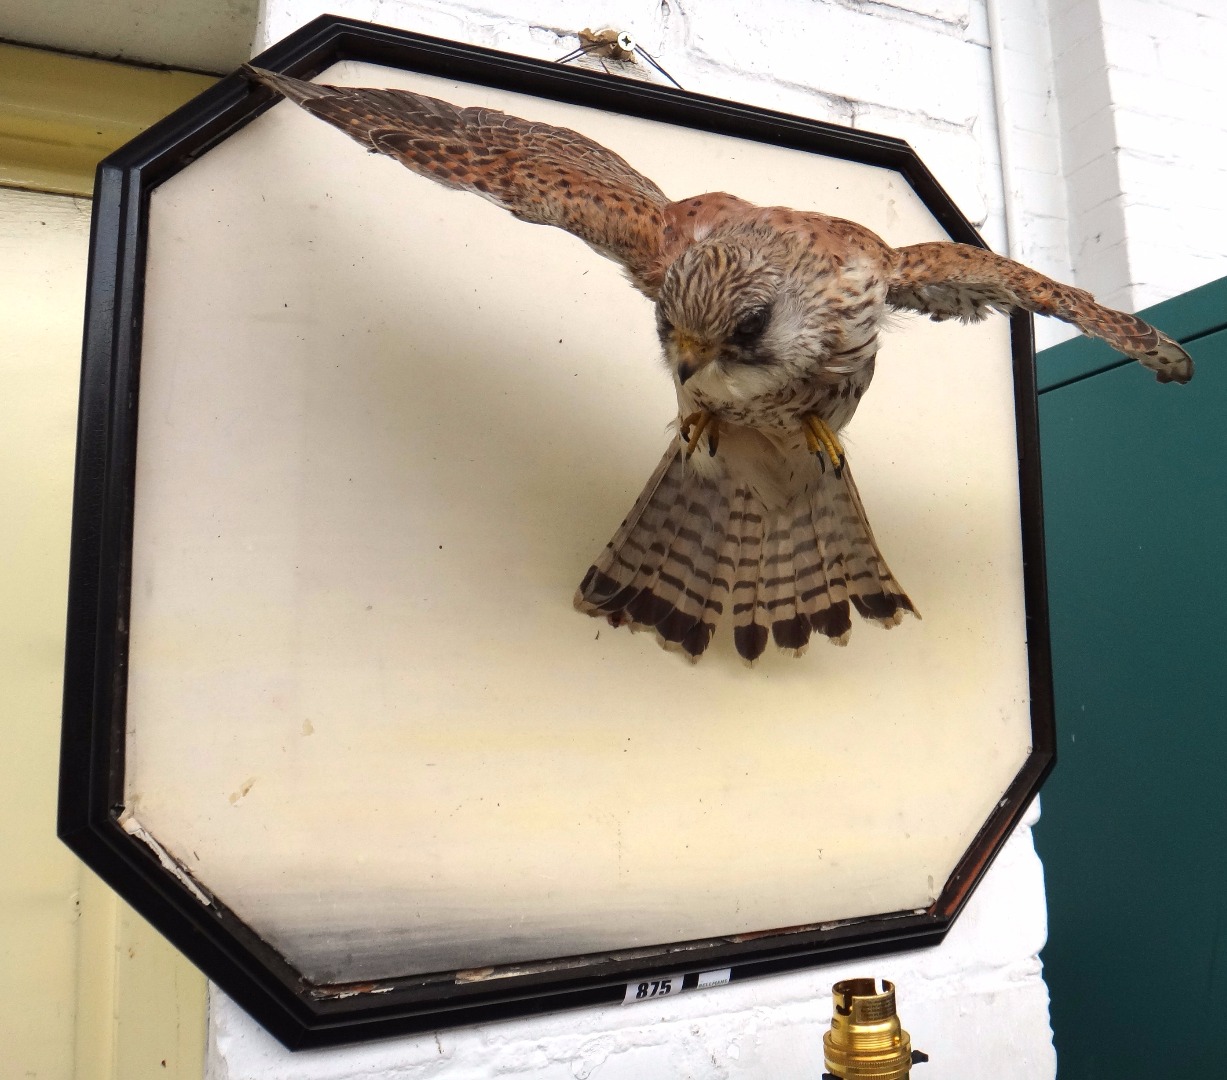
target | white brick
x=1198, y=64
x=1092, y=138
x=844, y=52
x=1027, y=74
x=1166, y=97
x=1210, y=44
x=1042, y=194
x=1168, y=136
x=1156, y=258
x=1158, y=182
x=698, y=73
x=1039, y=153
x=1169, y=21
x=1092, y=184
x=1161, y=273
x=1033, y=112
x=1103, y=270
x=1076, y=61
x=1101, y=227
x=1145, y=295
x=956, y=12
x=1131, y=50
x=1094, y=250
x=1072, y=21
x=957, y=158
x=977, y=26
x=1025, y=27
x=1044, y=246
x=1180, y=234
x=1122, y=298
x=1082, y=92
x=1208, y=9
x=1158, y=281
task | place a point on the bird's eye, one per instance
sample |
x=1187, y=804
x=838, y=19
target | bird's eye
x=663, y=326
x=750, y=326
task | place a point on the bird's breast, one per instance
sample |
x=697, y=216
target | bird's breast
x=776, y=467
x=779, y=412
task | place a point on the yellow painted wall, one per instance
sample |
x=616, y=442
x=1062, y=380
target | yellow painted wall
x=88, y=991
x=41, y=286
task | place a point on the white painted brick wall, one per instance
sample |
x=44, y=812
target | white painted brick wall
x=1029, y=136
x=1140, y=91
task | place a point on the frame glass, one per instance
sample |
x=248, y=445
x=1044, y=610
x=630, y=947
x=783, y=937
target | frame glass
x=331, y=722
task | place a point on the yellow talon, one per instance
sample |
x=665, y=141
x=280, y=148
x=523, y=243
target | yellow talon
x=691, y=430
x=821, y=439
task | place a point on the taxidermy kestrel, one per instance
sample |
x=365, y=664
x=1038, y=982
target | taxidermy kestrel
x=769, y=321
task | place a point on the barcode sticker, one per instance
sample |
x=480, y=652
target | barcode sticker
x=647, y=989
x=672, y=985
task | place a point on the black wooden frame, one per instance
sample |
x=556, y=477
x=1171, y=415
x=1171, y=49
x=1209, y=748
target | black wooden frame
x=92, y=755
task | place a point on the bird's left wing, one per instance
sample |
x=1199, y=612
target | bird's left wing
x=541, y=173
x=956, y=281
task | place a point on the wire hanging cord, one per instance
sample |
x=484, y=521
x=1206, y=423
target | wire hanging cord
x=613, y=45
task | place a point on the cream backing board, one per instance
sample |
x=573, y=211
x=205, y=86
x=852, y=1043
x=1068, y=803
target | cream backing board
x=384, y=430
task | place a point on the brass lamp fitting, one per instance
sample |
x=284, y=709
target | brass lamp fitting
x=866, y=1041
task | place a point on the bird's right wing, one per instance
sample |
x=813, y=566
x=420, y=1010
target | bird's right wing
x=540, y=173
x=956, y=281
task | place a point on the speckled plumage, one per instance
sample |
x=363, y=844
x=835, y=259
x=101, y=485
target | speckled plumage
x=769, y=321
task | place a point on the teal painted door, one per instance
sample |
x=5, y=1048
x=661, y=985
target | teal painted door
x=1134, y=829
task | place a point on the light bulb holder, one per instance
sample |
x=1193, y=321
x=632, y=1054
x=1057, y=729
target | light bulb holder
x=866, y=1040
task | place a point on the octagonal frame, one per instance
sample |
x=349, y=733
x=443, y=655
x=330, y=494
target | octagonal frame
x=92, y=757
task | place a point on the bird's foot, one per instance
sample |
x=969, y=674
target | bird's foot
x=692, y=428
x=822, y=441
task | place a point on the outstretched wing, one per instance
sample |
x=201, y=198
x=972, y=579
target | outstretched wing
x=543, y=174
x=956, y=281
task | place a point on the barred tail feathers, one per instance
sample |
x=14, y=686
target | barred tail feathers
x=622, y=570
x=826, y=600
x=695, y=545
x=873, y=590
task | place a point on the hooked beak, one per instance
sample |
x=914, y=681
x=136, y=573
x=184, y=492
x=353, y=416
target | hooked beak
x=691, y=356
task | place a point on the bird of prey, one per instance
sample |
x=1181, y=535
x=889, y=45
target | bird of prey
x=769, y=320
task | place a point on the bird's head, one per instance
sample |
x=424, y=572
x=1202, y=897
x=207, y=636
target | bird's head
x=728, y=321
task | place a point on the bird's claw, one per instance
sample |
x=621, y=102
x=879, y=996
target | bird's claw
x=692, y=428
x=822, y=441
